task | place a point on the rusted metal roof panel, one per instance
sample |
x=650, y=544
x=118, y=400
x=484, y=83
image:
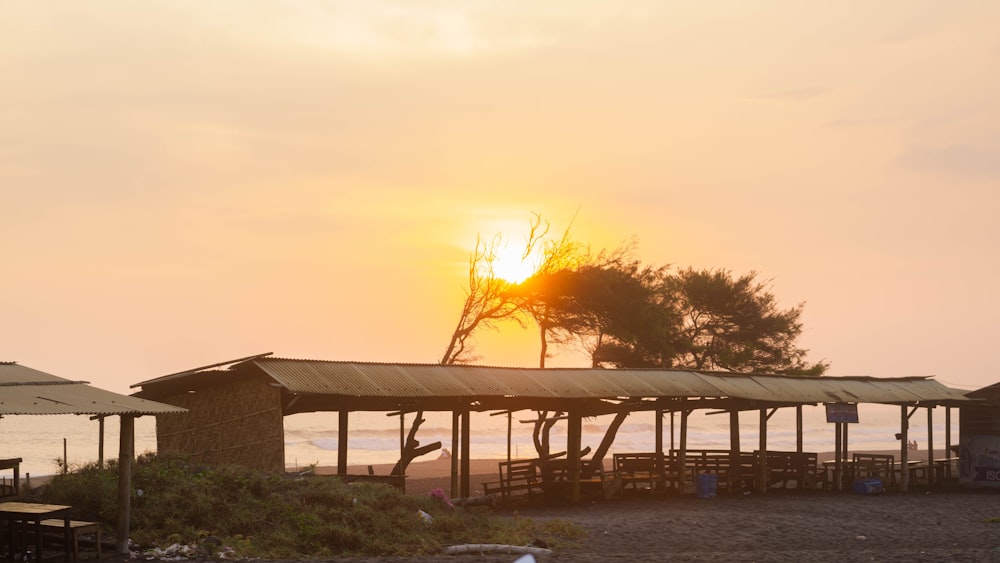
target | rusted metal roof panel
x=837, y=389
x=432, y=380
x=28, y=391
x=361, y=379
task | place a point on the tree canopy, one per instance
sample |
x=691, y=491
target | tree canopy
x=626, y=314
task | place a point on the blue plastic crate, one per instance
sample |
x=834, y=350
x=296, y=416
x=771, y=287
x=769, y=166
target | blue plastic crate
x=868, y=486
x=706, y=485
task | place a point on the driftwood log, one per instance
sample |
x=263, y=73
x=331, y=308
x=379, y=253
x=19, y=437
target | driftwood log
x=477, y=548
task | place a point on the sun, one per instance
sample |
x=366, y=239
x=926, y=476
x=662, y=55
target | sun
x=510, y=264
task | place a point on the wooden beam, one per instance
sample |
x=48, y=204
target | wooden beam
x=904, y=450
x=762, y=447
x=126, y=452
x=930, y=446
x=574, y=434
x=466, y=438
x=455, y=453
x=798, y=428
x=342, y=442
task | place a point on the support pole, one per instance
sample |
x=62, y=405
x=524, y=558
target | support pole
x=904, y=450
x=100, y=443
x=838, y=460
x=573, y=441
x=455, y=453
x=126, y=452
x=947, y=441
x=930, y=446
x=659, y=442
x=798, y=428
x=762, y=453
x=466, y=423
x=509, y=434
x=682, y=453
x=734, y=445
x=342, y=442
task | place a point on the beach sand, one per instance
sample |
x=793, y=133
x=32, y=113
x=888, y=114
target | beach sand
x=948, y=524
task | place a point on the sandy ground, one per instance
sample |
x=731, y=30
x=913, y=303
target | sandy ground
x=948, y=524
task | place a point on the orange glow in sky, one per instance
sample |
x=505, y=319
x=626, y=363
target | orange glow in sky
x=187, y=182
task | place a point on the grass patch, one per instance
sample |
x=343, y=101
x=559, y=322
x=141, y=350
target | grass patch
x=277, y=517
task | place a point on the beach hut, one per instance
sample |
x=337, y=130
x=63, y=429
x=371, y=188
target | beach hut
x=27, y=391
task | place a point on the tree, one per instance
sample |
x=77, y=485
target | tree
x=735, y=324
x=488, y=297
x=611, y=306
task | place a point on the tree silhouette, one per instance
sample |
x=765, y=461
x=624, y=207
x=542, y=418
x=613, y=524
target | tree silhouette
x=735, y=324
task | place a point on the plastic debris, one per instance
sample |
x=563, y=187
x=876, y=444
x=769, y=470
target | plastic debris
x=439, y=494
x=427, y=518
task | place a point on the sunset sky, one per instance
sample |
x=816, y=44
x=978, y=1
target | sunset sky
x=187, y=182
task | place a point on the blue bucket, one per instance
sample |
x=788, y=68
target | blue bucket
x=706, y=485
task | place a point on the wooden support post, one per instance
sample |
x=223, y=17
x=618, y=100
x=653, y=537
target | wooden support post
x=509, y=434
x=574, y=439
x=930, y=446
x=947, y=441
x=126, y=451
x=100, y=442
x=342, y=441
x=762, y=461
x=672, y=430
x=838, y=460
x=734, y=444
x=798, y=428
x=904, y=450
x=659, y=442
x=466, y=431
x=682, y=453
x=455, y=453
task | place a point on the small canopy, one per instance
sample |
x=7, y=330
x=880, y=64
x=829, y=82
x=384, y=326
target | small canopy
x=28, y=391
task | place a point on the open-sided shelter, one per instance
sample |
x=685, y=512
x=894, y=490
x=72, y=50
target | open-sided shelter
x=236, y=407
x=27, y=391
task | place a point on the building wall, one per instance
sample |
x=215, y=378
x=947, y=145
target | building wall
x=239, y=423
x=979, y=453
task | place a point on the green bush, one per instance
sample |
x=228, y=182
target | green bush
x=277, y=517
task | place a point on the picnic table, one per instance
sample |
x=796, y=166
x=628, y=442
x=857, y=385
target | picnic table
x=20, y=514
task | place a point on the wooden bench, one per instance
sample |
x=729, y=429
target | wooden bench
x=645, y=470
x=732, y=477
x=594, y=480
x=881, y=466
x=786, y=467
x=77, y=528
x=515, y=476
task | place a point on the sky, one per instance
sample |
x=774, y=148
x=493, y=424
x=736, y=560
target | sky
x=187, y=182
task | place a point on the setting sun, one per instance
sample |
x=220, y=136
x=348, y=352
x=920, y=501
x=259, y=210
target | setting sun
x=511, y=265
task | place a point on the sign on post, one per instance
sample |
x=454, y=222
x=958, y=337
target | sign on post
x=841, y=412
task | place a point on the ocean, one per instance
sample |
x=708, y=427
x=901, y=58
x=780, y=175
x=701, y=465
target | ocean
x=374, y=437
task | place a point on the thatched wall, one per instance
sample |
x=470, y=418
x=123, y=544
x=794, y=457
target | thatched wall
x=239, y=423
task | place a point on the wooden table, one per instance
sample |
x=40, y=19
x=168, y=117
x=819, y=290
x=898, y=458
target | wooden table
x=25, y=512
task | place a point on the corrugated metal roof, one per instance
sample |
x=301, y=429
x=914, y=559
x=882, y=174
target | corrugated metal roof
x=24, y=390
x=433, y=380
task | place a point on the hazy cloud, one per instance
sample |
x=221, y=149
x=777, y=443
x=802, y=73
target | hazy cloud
x=797, y=95
x=955, y=159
